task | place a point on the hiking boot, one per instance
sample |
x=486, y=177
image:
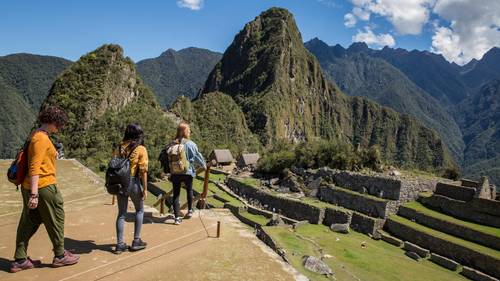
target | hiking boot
x=189, y=214
x=138, y=245
x=178, y=220
x=67, y=259
x=120, y=248
x=28, y=263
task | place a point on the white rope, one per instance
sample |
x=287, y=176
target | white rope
x=133, y=255
x=71, y=201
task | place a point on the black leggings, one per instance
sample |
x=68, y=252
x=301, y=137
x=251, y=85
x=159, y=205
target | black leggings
x=177, y=180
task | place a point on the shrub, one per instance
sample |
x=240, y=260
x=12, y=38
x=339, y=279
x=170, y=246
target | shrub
x=451, y=173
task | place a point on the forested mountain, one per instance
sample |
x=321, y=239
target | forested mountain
x=463, y=91
x=177, y=73
x=25, y=80
x=479, y=116
x=281, y=90
x=359, y=74
x=102, y=93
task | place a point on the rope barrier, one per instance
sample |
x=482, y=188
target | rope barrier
x=71, y=201
x=139, y=253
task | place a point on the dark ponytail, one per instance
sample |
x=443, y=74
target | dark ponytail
x=134, y=134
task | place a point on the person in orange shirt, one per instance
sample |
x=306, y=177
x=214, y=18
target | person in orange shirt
x=42, y=200
x=132, y=146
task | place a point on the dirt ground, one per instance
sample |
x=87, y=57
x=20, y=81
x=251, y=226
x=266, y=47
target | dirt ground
x=186, y=252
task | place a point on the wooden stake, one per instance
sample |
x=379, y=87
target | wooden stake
x=113, y=200
x=218, y=229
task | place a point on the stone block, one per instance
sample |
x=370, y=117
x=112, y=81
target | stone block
x=317, y=265
x=444, y=262
x=391, y=239
x=340, y=227
x=365, y=224
x=413, y=255
x=336, y=215
x=424, y=253
x=476, y=275
x=456, y=192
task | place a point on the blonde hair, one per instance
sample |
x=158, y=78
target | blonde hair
x=182, y=130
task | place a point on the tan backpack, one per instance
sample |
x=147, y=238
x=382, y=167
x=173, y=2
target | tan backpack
x=177, y=158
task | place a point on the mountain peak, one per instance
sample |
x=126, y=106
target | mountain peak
x=358, y=47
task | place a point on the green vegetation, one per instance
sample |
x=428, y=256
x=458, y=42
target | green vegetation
x=320, y=153
x=474, y=226
x=24, y=82
x=102, y=94
x=478, y=116
x=357, y=73
x=177, y=73
x=447, y=237
x=281, y=91
x=377, y=261
x=217, y=122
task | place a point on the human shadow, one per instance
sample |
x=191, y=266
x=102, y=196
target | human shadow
x=85, y=246
x=5, y=264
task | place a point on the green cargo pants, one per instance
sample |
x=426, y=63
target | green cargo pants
x=50, y=212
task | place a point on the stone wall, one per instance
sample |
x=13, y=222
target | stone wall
x=336, y=215
x=486, y=206
x=459, y=209
x=456, y=192
x=288, y=207
x=368, y=205
x=399, y=188
x=366, y=224
x=461, y=254
x=451, y=228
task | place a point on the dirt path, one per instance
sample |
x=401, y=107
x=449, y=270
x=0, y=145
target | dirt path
x=184, y=252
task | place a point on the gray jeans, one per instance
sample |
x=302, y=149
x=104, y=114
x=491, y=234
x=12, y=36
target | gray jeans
x=135, y=194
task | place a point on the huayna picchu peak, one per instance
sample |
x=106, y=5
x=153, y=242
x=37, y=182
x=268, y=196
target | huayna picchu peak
x=284, y=95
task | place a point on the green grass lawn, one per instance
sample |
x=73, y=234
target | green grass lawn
x=259, y=219
x=379, y=261
x=494, y=231
x=479, y=248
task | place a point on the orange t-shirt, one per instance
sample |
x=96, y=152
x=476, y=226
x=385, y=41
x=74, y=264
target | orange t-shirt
x=41, y=160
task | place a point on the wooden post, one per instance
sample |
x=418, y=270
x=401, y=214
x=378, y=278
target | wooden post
x=113, y=200
x=162, y=206
x=218, y=229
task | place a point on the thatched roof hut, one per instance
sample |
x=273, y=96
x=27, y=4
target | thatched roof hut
x=247, y=159
x=222, y=156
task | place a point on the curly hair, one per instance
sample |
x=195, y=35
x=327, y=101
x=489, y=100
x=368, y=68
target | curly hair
x=53, y=115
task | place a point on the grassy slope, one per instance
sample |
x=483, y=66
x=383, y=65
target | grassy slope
x=378, y=261
x=447, y=237
x=429, y=212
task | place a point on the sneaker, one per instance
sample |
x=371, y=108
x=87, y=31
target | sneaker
x=120, y=248
x=67, y=259
x=189, y=214
x=138, y=245
x=177, y=221
x=23, y=265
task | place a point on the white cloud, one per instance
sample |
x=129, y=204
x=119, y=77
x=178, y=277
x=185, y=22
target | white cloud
x=194, y=5
x=349, y=20
x=374, y=40
x=474, y=29
x=406, y=16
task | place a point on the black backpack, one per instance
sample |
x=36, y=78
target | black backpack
x=118, y=174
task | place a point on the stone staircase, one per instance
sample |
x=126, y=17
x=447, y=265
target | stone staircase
x=457, y=225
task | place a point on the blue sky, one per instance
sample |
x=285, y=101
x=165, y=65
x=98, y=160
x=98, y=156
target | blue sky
x=147, y=28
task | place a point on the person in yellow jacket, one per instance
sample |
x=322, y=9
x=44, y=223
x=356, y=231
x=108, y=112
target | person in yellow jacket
x=42, y=200
x=132, y=145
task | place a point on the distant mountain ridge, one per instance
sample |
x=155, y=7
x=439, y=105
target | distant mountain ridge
x=359, y=74
x=177, y=73
x=25, y=80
